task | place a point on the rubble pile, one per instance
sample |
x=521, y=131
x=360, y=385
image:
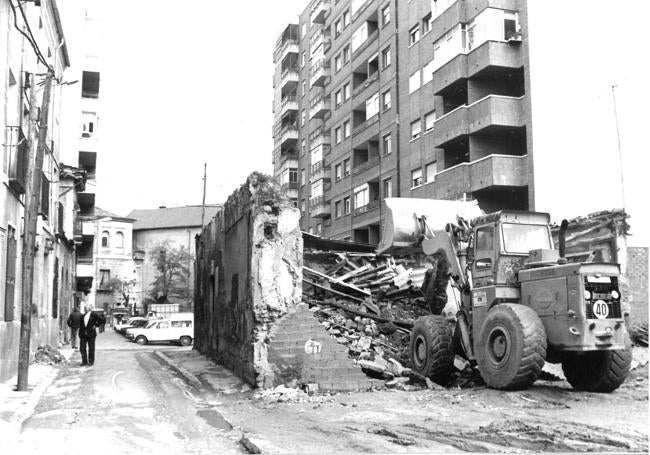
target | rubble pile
x=369, y=303
x=48, y=355
x=639, y=334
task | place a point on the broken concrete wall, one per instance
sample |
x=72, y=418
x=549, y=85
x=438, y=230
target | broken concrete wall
x=249, y=275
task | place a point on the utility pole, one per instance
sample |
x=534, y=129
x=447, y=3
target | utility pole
x=205, y=178
x=32, y=200
x=618, y=139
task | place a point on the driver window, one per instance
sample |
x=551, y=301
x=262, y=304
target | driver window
x=484, y=239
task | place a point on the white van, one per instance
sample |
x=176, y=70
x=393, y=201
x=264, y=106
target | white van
x=177, y=327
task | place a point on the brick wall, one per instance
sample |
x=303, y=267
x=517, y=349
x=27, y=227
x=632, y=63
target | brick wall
x=637, y=280
x=300, y=348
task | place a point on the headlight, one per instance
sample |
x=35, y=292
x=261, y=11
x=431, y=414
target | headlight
x=615, y=295
x=587, y=295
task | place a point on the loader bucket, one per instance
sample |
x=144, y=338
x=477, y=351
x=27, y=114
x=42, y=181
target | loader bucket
x=401, y=227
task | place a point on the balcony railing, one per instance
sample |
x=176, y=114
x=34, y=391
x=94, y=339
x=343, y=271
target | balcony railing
x=373, y=36
x=319, y=137
x=289, y=76
x=289, y=186
x=320, y=11
x=365, y=165
x=17, y=153
x=319, y=170
x=319, y=207
x=365, y=84
x=365, y=124
x=320, y=71
x=366, y=208
x=318, y=39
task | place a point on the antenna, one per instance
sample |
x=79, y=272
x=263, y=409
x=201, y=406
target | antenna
x=205, y=178
x=618, y=139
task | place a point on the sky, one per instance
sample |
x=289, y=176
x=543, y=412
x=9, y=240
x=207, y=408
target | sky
x=188, y=83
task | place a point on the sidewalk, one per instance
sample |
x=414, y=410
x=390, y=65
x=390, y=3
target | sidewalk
x=16, y=407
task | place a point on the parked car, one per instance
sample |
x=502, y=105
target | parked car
x=134, y=324
x=129, y=330
x=177, y=328
x=126, y=323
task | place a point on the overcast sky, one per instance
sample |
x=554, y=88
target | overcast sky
x=185, y=83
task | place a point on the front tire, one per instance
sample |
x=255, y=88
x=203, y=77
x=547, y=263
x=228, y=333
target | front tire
x=185, y=341
x=511, y=347
x=597, y=371
x=431, y=348
x=141, y=339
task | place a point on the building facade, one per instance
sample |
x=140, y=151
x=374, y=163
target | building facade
x=175, y=226
x=23, y=64
x=418, y=98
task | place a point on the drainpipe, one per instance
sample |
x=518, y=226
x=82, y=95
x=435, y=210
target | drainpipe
x=397, y=148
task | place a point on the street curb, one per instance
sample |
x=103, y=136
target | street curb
x=183, y=371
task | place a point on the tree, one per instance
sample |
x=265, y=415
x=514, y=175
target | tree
x=122, y=286
x=172, y=265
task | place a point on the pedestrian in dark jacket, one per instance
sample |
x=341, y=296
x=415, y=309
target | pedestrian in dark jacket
x=88, y=333
x=436, y=280
x=74, y=322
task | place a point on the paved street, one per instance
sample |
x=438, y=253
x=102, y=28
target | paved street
x=128, y=402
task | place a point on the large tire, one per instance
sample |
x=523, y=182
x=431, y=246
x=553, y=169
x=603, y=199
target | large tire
x=597, y=371
x=431, y=348
x=511, y=347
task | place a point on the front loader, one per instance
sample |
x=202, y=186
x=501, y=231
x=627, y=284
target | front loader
x=521, y=302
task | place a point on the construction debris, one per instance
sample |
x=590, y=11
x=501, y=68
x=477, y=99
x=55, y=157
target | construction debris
x=49, y=356
x=639, y=334
x=369, y=303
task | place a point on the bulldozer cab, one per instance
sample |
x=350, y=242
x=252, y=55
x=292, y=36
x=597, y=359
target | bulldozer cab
x=502, y=243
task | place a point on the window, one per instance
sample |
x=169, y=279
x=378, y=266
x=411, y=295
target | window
x=430, y=171
x=416, y=178
x=346, y=54
x=303, y=60
x=106, y=239
x=387, y=188
x=385, y=15
x=416, y=129
x=302, y=177
x=90, y=84
x=372, y=106
x=303, y=30
x=319, y=229
x=510, y=27
x=359, y=36
x=427, y=72
x=337, y=98
x=119, y=240
x=293, y=175
x=303, y=146
x=317, y=189
x=429, y=120
x=426, y=24
x=337, y=63
x=484, y=239
x=346, y=205
x=385, y=57
x=303, y=116
x=337, y=28
x=414, y=35
x=346, y=91
x=163, y=325
x=337, y=134
x=346, y=129
x=346, y=18
x=89, y=124
x=346, y=167
x=304, y=88
x=337, y=209
x=387, y=145
x=302, y=206
x=361, y=196
x=439, y=6
x=385, y=100
x=104, y=277
x=414, y=81
x=337, y=173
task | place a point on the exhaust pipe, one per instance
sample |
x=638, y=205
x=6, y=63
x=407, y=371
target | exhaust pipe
x=562, y=237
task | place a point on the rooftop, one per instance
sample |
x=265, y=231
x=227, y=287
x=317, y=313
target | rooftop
x=172, y=217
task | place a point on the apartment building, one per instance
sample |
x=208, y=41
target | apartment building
x=419, y=98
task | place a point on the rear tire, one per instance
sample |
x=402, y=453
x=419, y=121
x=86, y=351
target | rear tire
x=597, y=371
x=141, y=339
x=431, y=348
x=185, y=341
x=511, y=347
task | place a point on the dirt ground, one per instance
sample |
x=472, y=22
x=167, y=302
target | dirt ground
x=548, y=417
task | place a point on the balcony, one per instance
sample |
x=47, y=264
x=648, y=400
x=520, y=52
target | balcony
x=370, y=206
x=289, y=79
x=320, y=38
x=290, y=46
x=320, y=72
x=365, y=124
x=320, y=137
x=320, y=171
x=289, y=186
x=493, y=111
x=364, y=166
x=320, y=11
x=488, y=172
x=319, y=107
x=319, y=207
x=288, y=104
x=17, y=155
x=365, y=84
x=371, y=37
x=288, y=136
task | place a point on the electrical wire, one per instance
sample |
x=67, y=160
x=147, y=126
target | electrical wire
x=30, y=38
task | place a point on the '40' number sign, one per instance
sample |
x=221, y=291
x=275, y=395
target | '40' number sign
x=601, y=310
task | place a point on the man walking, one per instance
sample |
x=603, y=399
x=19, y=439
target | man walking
x=74, y=322
x=88, y=333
